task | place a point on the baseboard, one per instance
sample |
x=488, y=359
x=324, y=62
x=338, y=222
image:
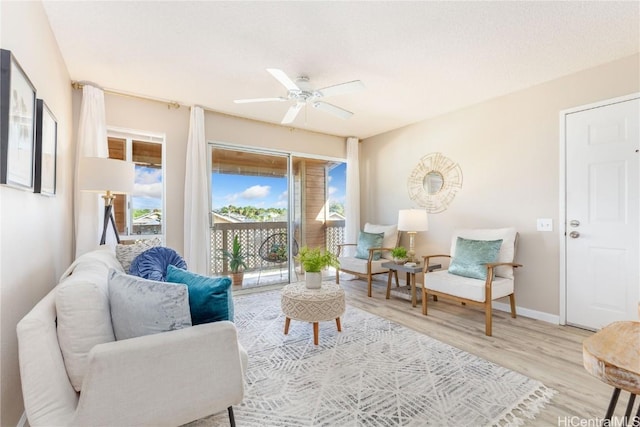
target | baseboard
x=22, y=422
x=527, y=312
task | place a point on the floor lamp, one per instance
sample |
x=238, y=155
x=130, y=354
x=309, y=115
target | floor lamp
x=108, y=176
x=412, y=221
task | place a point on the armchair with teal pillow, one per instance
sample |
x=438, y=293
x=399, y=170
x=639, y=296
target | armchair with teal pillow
x=372, y=249
x=481, y=270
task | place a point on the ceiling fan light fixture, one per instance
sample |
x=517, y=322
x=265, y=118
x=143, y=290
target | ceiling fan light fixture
x=303, y=93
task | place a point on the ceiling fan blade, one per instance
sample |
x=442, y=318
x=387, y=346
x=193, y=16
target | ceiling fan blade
x=332, y=109
x=342, y=88
x=246, y=101
x=283, y=78
x=292, y=113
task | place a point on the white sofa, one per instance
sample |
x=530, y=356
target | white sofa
x=165, y=379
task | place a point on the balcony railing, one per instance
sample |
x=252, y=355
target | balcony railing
x=252, y=234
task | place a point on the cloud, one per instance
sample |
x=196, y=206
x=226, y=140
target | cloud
x=146, y=175
x=148, y=190
x=255, y=192
x=332, y=190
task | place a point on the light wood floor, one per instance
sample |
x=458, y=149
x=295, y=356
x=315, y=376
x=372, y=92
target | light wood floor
x=549, y=353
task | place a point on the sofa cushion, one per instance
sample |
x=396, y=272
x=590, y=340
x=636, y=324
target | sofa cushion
x=465, y=287
x=210, y=298
x=507, y=250
x=144, y=307
x=357, y=265
x=127, y=253
x=472, y=256
x=367, y=241
x=391, y=236
x=152, y=264
x=82, y=306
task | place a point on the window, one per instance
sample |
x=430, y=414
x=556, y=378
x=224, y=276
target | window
x=140, y=214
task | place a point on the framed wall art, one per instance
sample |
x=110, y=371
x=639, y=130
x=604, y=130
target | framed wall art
x=17, y=123
x=46, y=144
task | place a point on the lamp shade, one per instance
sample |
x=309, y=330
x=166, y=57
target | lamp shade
x=99, y=175
x=413, y=220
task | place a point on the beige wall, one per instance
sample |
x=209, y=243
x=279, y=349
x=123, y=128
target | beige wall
x=35, y=231
x=508, y=149
x=152, y=116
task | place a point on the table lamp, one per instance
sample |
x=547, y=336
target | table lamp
x=412, y=221
x=109, y=176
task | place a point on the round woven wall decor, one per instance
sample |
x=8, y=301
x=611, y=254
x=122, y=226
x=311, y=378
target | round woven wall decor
x=434, y=182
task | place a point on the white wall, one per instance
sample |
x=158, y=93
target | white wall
x=35, y=231
x=508, y=149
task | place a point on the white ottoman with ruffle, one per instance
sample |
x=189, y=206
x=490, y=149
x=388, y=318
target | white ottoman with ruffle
x=312, y=305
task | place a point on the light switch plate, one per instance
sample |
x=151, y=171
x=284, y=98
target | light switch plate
x=545, y=224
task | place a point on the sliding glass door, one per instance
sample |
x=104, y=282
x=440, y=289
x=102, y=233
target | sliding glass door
x=249, y=200
x=274, y=203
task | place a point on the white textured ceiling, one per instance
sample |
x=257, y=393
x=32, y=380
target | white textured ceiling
x=416, y=59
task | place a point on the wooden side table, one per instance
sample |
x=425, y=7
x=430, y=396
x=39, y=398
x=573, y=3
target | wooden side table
x=411, y=277
x=613, y=356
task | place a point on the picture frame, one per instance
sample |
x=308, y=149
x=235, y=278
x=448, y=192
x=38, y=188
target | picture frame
x=46, y=149
x=17, y=124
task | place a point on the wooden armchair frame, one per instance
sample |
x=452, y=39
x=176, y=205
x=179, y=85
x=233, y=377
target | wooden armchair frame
x=487, y=292
x=368, y=275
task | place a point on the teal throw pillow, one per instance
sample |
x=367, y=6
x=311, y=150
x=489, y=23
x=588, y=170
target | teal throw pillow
x=209, y=297
x=471, y=257
x=366, y=241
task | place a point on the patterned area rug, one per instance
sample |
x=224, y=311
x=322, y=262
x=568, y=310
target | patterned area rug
x=373, y=373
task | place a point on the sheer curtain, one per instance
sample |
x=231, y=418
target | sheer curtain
x=352, y=205
x=196, y=197
x=92, y=142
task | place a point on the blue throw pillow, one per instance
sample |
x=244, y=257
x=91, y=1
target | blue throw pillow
x=209, y=297
x=366, y=241
x=472, y=256
x=152, y=264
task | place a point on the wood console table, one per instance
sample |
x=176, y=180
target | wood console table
x=613, y=356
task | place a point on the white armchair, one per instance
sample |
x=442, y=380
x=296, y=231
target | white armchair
x=475, y=291
x=366, y=268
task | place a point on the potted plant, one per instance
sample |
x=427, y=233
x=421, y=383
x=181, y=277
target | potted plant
x=236, y=258
x=313, y=260
x=399, y=254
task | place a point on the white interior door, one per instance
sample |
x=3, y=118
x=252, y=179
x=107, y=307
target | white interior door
x=603, y=204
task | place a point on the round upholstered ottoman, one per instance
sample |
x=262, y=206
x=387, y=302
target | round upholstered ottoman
x=312, y=305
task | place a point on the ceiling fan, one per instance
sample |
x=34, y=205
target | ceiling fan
x=303, y=93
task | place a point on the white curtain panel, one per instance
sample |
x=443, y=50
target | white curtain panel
x=196, y=197
x=352, y=205
x=91, y=142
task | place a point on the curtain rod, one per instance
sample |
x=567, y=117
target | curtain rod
x=170, y=104
x=175, y=104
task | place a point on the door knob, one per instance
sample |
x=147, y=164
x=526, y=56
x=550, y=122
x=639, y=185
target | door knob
x=574, y=223
x=574, y=234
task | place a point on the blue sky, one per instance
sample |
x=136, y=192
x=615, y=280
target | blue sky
x=147, y=191
x=265, y=192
